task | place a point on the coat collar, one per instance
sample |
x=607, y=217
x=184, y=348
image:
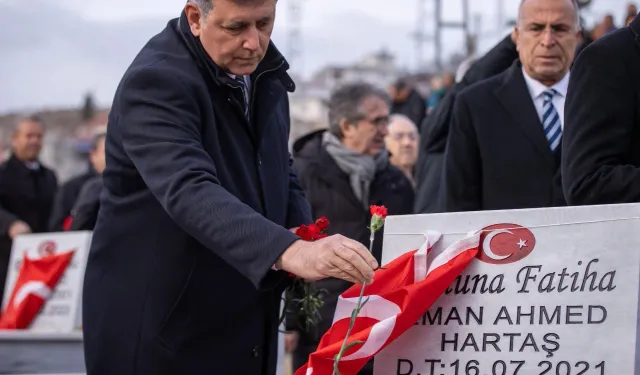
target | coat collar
x=635, y=28
x=22, y=167
x=536, y=88
x=273, y=61
x=514, y=95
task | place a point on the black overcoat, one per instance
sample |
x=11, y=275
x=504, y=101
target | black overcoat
x=601, y=139
x=195, y=210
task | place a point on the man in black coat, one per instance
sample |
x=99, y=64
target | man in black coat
x=406, y=100
x=27, y=189
x=70, y=191
x=193, y=243
x=435, y=128
x=601, y=143
x=503, y=150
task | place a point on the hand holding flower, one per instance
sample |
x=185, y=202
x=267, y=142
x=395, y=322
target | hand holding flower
x=333, y=256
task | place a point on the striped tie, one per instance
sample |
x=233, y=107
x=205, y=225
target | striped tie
x=551, y=120
x=245, y=102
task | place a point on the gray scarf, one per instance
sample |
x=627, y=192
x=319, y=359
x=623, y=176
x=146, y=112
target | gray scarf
x=360, y=168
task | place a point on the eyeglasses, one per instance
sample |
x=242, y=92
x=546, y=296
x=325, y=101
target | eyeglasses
x=379, y=121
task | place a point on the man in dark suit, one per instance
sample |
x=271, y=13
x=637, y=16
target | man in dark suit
x=601, y=144
x=435, y=128
x=193, y=242
x=503, y=150
x=27, y=189
x=70, y=191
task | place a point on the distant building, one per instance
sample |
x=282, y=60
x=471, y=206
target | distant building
x=378, y=68
x=308, y=102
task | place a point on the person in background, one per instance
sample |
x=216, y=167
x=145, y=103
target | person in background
x=407, y=101
x=344, y=170
x=84, y=213
x=68, y=193
x=440, y=86
x=632, y=12
x=402, y=144
x=434, y=130
x=601, y=143
x=27, y=190
x=503, y=151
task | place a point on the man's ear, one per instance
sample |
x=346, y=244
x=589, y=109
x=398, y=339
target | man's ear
x=194, y=18
x=346, y=126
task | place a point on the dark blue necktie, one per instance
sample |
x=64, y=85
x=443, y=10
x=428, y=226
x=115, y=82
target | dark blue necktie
x=551, y=120
x=245, y=95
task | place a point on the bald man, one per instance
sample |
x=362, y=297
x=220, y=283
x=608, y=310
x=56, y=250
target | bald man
x=402, y=143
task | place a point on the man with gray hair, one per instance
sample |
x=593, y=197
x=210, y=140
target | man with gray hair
x=343, y=171
x=194, y=240
x=504, y=146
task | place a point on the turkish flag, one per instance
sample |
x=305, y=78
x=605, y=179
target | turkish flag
x=400, y=294
x=35, y=283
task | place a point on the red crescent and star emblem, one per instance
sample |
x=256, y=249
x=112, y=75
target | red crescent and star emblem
x=505, y=243
x=47, y=248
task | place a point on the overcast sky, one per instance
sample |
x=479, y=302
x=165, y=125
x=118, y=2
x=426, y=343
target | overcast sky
x=53, y=51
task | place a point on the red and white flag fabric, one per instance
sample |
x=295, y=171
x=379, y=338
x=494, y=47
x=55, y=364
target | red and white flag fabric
x=35, y=283
x=400, y=294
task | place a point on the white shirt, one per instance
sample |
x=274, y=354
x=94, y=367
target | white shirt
x=33, y=165
x=536, y=89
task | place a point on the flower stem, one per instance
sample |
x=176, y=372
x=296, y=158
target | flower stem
x=354, y=314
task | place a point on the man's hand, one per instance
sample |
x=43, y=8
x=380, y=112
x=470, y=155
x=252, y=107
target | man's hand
x=17, y=228
x=334, y=256
x=291, y=341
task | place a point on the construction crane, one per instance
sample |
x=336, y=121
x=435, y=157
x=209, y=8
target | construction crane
x=421, y=37
x=294, y=42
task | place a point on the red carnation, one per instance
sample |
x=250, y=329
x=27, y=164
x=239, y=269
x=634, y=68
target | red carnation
x=304, y=233
x=314, y=231
x=322, y=223
x=378, y=211
x=378, y=214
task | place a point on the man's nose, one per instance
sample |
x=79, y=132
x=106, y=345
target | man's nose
x=548, y=39
x=252, y=41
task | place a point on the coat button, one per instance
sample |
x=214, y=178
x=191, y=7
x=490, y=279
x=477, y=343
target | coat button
x=255, y=351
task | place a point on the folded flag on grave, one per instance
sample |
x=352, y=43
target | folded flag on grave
x=400, y=294
x=37, y=279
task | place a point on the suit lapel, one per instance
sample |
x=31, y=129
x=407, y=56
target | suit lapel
x=514, y=96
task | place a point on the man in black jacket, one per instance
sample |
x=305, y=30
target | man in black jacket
x=193, y=242
x=601, y=143
x=435, y=128
x=69, y=192
x=27, y=188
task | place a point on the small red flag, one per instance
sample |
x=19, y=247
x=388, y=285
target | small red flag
x=36, y=282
